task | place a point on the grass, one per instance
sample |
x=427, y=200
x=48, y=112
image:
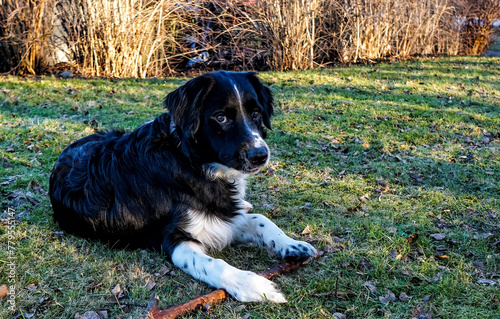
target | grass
x=366, y=156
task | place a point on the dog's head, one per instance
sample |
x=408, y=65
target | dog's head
x=220, y=118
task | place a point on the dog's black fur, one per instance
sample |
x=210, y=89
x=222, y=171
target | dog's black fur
x=146, y=188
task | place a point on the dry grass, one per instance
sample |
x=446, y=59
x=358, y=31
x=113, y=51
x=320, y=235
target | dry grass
x=477, y=17
x=122, y=38
x=151, y=38
x=290, y=28
x=25, y=27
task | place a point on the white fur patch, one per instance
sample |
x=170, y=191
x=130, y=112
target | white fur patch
x=245, y=286
x=212, y=232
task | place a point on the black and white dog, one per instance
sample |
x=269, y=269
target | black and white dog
x=177, y=183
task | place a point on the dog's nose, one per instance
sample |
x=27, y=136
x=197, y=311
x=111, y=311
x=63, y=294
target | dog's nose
x=257, y=156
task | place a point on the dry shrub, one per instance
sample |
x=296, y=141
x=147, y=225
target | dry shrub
x=376, y=29
x=120, y=38
x=291, y=31
x=279, y=34
x=145, y=38
x=473, y=20
x=25, y=29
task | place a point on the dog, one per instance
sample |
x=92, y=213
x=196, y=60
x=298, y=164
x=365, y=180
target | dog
x=177, y=184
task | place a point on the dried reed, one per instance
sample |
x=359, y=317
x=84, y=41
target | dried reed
x=25, y=27
x=147, y=38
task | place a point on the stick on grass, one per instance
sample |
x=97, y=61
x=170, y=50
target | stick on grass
x=205, y=302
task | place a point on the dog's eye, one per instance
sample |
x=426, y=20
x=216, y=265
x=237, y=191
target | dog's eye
x=221, y=118
x=256, y=115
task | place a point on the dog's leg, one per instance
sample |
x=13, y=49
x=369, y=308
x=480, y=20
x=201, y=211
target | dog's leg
x=243, y=285
x=256, y=228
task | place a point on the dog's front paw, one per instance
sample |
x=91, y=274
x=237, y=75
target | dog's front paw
x=247, y=286
x=297, y=251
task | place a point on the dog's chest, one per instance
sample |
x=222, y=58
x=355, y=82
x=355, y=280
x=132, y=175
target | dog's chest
x=214, y=230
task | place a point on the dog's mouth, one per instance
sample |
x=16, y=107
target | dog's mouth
x=244, y=166
x=252, y=171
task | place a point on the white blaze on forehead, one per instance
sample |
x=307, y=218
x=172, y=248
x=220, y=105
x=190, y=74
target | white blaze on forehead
x=258, y=141
x=238, y=95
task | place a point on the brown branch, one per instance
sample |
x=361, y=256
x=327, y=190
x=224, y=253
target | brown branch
x=205, y=302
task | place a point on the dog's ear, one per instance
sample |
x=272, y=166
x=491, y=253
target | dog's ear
x=265, y=95
x=185, y=104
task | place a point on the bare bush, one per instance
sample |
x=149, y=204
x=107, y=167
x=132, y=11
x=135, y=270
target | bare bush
x=25, y=29
x=376, y=29
x=474, y=19
x=120, y=38
x=145, y=38
x=291, y=31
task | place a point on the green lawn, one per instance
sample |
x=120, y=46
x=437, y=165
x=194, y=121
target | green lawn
x=366, y=156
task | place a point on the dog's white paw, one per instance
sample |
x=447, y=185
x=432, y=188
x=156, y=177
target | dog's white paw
x=246, y=286
x=294, y=250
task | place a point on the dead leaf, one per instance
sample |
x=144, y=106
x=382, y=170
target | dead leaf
x=337, y=239
x=393, y=253
x=487, y=235
x=421, y=313
x=416, y=177
x=94, y=285
x=353, y=209
x=371, y=287
x=412, y=238
x=438, y=276
x=441, y=249
x=239, y=308
x=306, y=206
x=383, y=300
x=339, y=315
x=37, y=188
x=334, y=248
x=150, y=283
x=306, y=230
x=364, y=198
x=438, y=236
x=16, y=194
x=118, y=267
x=4, y=291
x=391, y=229
x=382, y=182
x=162, y=272
x=442, y=257
x=117, y=291
x=390, y=296
x=88, y=315
x=31, y=287
x=364, y=264
x=487, y=282
x=403, y=297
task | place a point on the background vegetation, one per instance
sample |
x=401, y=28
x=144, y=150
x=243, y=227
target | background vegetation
x=152, y=38
x=391, y=170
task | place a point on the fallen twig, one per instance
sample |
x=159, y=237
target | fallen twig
x=205, y=302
